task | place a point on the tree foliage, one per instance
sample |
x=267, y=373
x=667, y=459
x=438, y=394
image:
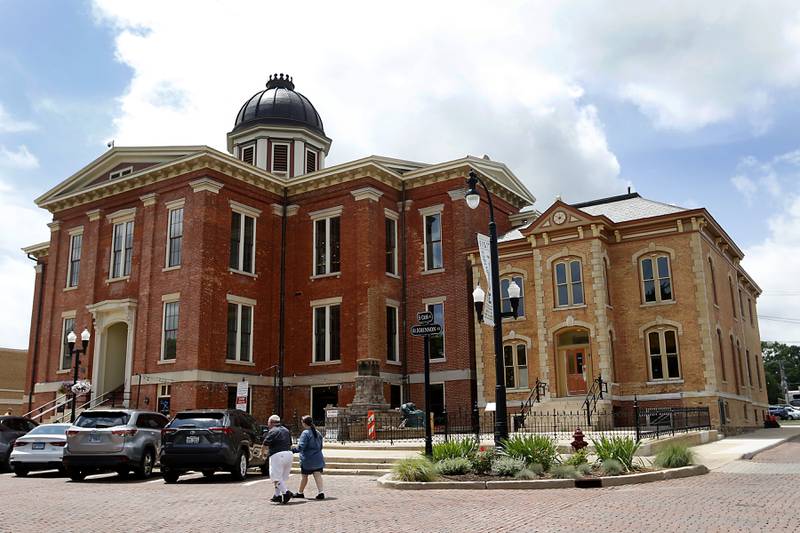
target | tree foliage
x=773, y=353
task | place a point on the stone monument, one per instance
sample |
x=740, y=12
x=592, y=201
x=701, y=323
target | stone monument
x=369, y=389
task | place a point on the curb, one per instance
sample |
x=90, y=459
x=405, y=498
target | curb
x=615, y=481
x=749, y=455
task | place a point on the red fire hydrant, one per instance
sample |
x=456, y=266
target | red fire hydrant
x=578, y=443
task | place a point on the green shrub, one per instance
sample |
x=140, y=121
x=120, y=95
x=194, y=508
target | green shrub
x=584, y=469
x=507, y=466
x=482, y=462
x=454, y=466
x=621, y=449
x=564, y=472
x=526, y=474
x=612, y=467
x=536, y=468
x=455, y=448
x=674, y=456
x=414, y=469
x=532, y=449
x=580, y=457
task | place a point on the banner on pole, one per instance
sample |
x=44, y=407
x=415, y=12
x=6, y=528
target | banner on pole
x=485, y=249
x=242, y=392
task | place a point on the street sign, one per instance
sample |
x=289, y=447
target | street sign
x=421, y=330
x=242, y=392
x=425, y=317
x=485, y=249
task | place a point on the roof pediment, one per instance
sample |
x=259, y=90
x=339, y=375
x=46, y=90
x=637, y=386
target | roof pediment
x=561, y=216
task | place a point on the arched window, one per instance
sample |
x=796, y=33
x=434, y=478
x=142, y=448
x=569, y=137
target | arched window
x=515, y=361
x=607, y=280
x=741, y=363
x=733, y=297
x=749, y=370
x=504, y=300
x=656, y=278
x=569, y=283
x=662, y=351
x=713, y=280
x=722, y=355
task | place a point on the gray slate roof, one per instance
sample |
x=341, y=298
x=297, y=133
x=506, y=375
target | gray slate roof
x=631, y=208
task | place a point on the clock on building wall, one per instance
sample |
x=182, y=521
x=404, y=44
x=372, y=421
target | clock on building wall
x=559, y=217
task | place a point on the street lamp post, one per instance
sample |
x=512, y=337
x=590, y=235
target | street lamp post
x=76, y=355
x=473, y=199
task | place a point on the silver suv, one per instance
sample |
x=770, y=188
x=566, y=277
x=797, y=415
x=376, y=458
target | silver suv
x=116, y=440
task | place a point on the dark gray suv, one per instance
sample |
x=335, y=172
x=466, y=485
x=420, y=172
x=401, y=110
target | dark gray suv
x=11, y=428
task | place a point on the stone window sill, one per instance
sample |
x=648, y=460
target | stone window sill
x=518, y=389
x=114, y=280
x=440, y=360
x=167, y=361
x=396, y=363
x=569, y=307
x=324, y=363
x=666, y=382
x=243, y=273
x=66, y=289
x=243, y=363
x=329, y=275
x=433, y=271
x=395, y=276
x=64, y=371
x=657, y=304
x=167, y=269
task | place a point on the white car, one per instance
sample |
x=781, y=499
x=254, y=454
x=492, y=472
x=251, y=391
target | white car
x=40, y=449
x=793, y=412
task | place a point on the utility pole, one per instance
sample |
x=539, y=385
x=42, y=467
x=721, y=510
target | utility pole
x=784, y=385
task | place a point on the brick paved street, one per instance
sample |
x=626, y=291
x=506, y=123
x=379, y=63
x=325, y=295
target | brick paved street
x=739, y=497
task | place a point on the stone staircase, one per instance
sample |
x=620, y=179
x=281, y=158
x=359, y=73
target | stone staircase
x=354, y=466
x=569, y=414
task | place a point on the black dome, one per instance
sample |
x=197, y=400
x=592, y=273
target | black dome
x=279, y=103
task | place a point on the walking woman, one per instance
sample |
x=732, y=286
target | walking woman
x=309, y=446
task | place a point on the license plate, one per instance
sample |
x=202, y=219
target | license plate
x=94, y=437
x=192, y=439
x=38, y=445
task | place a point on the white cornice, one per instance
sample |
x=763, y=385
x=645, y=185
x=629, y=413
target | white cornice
x=206, y=184
x=367, y=193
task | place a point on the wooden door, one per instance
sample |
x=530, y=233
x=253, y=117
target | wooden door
x=576, y=361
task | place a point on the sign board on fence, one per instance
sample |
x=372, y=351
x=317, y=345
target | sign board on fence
x=425, y=317
x=485, y=249
x=490, y=406
x=242, y=392
x=423, y=330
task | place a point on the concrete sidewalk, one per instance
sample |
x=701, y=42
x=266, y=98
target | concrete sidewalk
x=717, y=454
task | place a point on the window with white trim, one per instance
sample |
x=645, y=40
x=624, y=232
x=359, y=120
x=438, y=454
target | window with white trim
x=169, y=334
x=390, y=225
x=240, y=332
x=433, y=241
x=247, y=153
x=656, y=278
x=243, y=242
x=392, y=337
x=311, y=160
x=436, y=342
x=515, y=361
x=505, y=301
x=327, y=337
x=569, y=283
x=280, y=159
x=174, y=236
x=67, y=326
x=326, y=245
x=662, y=350
x=74, y=264
x=120, y=173
x=122, y=250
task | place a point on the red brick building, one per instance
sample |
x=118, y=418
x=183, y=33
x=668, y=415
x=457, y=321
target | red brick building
x=195, y=269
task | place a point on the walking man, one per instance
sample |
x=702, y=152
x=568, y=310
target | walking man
x=279, y=442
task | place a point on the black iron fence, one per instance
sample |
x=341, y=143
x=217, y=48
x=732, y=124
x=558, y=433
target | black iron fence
x=629, y=420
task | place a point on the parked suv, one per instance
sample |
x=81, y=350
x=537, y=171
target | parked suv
x=780, y=412
x=12, y=428
x=211, y=440
x=107, y=440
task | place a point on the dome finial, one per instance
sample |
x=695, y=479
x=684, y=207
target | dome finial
x=279, y=80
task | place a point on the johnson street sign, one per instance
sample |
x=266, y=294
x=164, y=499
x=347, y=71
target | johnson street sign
x=422, y=330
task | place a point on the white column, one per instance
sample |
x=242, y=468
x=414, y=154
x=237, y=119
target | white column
x=299, y=158
x=261, y=153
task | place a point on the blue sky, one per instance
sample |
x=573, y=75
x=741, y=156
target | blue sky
x=577, y=99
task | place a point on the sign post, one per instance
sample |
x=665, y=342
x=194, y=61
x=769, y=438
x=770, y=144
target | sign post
x=242, y=392
x=425, y=329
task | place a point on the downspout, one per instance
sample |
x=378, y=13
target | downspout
x=404, y=384
x=35, y=355
x=282, y=311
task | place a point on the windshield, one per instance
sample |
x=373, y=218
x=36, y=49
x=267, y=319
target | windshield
x=197, y=420
x=102, y=420
x=49, y=430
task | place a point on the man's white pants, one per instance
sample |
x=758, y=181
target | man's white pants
x=280, y=465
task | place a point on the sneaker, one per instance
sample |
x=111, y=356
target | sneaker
x=287, y=496
x=276, y=499
x=298, y=495
x=320, y=496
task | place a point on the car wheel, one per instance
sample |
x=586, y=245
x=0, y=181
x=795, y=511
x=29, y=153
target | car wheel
x=76, y=474
x=20, y=471
x=208, y=473
x=145, y=468
x=169, y=475
x=239, y=470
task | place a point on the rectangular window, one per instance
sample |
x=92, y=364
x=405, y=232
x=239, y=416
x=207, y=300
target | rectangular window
x=169, y=348
x=122, y=250
x=750, y=309
x=721, y=355
x=392, y=338
x=741, y=362
x=569, y=283
x=74, y=265
x=663, y=354
x=713, y=280
x=327, y=346
x=248, y=154
x=656, y=279
x=120, y=173
x=505, y=302
x=243, y=242
x=395, y=396
x=326, y=246
x=733, y=297
x=280, y=158
x=437, y=341
x=741, y=303
x=240, y=328
x=749, y=369
x=311, y=160
x=433, y=242
x=391, y=245
x=174, y=237
x=515, y=360
x=66, y=356
x=608, y=281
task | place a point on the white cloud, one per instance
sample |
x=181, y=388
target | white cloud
x=21, y=158
x=746, y=186
x=10, y=125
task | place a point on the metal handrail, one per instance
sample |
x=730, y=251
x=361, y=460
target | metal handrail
x=534, y=397
x=595, y=393
x=94, y=402
x=54, y=403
